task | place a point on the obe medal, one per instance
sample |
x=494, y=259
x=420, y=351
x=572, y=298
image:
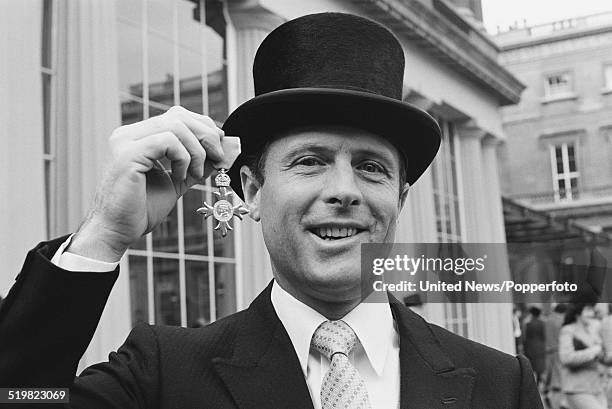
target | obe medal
x=223, y=211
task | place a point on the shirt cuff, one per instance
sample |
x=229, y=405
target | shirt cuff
x=73, y=262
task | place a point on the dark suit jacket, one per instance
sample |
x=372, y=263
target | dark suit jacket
x=243, y=361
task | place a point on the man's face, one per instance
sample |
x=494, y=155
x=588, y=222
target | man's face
x=326, y=191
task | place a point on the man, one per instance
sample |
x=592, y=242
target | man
x=535, y=342
x=329, y=151
x=552, y=327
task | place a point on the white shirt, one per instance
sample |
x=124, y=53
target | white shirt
x=73, y=262
x=376, y=356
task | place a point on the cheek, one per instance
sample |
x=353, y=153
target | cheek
x=384, y=206
x=281, y=207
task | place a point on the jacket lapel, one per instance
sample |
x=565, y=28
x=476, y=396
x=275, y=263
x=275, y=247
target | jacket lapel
x=264, y=371
x=429, y=378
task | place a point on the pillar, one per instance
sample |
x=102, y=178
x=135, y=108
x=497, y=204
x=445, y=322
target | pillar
x=22, y=205
x=484, y=224
x=250, y=24
x=88, y=111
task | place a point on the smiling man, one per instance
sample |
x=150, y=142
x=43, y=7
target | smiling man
x=329, y=153
x=327, y=189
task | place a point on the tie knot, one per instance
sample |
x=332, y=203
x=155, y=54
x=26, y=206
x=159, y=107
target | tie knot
x=334, y=337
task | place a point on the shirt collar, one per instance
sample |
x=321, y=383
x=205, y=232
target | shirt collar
x=373, y=324
x=301, y=321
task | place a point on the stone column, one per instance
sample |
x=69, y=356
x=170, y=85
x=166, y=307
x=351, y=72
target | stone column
x=483, y=223
x=250, y=24
x=504, y=337
x=88, y=103
x=497, y=229
x=418, y=219
x=473, y=182
x=22, y=205
x=88, y=111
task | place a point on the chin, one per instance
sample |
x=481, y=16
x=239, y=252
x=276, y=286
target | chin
x=337, y=284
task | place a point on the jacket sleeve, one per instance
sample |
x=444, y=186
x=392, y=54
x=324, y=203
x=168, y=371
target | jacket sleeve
x=47, y=321
x=529, y=395
x=568, y=354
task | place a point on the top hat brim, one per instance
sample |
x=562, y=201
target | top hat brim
x=413, y=131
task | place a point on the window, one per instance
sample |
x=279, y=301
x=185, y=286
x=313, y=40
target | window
x=608, y=76
x=48, y=71
x=558, y=85
x=564, y=171
x=447, y=203
x=173, y=53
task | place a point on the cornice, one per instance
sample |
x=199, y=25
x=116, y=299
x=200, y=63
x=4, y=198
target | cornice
x=450, y=45
x=554, y=38
x=249, y=14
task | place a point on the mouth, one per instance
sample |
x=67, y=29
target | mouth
x=335, y=233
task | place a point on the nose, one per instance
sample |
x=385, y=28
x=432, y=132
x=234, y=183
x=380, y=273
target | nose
x=341, y=188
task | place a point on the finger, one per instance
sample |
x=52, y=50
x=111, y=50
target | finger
x=197, y=123
x=208, y=137
x=166, y=144
x=192, y=144
x=203, y=119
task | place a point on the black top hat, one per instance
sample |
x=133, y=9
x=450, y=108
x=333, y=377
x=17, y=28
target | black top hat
x=332, y=68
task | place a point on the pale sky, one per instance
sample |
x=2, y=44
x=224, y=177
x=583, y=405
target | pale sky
x=505, y=12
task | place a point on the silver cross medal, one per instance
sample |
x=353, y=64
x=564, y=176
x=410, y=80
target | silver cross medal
x=223, y=211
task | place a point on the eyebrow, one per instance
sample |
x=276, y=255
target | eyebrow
x=309, y=147
x=385, y=156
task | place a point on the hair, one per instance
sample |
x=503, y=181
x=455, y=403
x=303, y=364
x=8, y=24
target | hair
x=535, y=311
x=581, y=300
x=560, y=308
x=256, y=162
x=574, y=310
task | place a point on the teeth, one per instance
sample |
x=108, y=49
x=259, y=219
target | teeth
x=329, y=233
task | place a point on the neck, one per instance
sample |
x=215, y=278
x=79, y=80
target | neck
x=332, y=310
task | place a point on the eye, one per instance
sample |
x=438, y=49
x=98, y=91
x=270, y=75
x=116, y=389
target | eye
x=309, y=161
x=372, y=167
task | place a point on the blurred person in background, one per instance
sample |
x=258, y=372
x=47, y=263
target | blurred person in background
x=516, y=329
x=606, y=336
x=552, y=376
x=534, y=343
x=580, y=351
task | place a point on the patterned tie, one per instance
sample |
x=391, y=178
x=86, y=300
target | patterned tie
x=342, y=387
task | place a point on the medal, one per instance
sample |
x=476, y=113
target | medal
x=223, y=211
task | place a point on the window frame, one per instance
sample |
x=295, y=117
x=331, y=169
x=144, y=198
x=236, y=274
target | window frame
x=551, y=93
x=566, y=175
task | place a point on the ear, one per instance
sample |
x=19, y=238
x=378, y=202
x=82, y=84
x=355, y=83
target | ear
x=403, y=196
x=252, y=192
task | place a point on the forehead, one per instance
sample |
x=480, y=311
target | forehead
x=332, y=139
